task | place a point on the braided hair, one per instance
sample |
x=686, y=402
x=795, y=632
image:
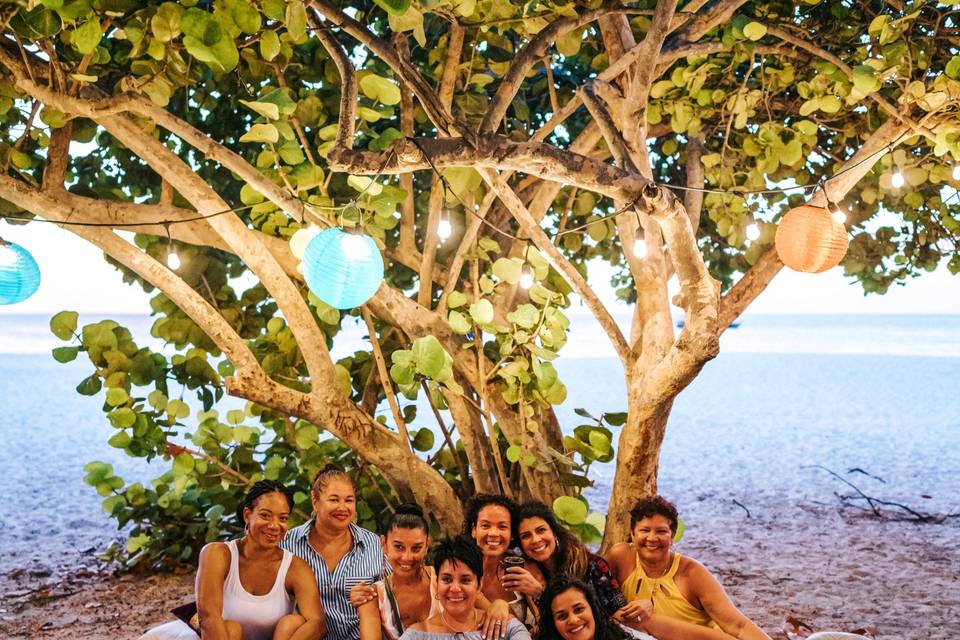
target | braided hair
x=262, y=488
x=327, y=475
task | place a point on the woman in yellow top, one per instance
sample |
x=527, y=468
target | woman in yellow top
x=679, y=587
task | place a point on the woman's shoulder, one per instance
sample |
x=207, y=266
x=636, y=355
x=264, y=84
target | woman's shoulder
x=690, y=569
x=215, y=550
x=516, y=630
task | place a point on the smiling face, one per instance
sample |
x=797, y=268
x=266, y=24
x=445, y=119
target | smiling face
x=405, y=549
x=572, y=615
x=267, y=519
x=492, y=530
x=537, y=539
x=336, y=506
x=652, y=537
x=457, y=588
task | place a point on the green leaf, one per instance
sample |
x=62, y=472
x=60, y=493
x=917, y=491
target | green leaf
x=380, y=89
x=394, y=7
x=246, y=16
x=423, y=440
x=86, y=37
x=754, y=31
x=513, y=452
x=569, y=509
x=508, y=269
x=482, y=312
x=120, y=440
x=307, y=436
x=365, y=185
x=64, y=324
x=681, y=529
x=865, y=79
x=429, y=356
x=456, y=299
x=953, y=68
x=165, y=23
x=90, y=386
x=459, y=322
x=296, y=19
x=117, y=396
x=343, y=379
x=65, y=354
x=269, y=45
x=183, y=464
x=829, y=104
x=569, y=43
x=266, y=109
x=261, y=133
x=122, y=418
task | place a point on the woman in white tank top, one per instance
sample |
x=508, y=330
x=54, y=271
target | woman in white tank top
x=247, y=588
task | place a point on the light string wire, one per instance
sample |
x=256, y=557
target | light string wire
x=821, y=184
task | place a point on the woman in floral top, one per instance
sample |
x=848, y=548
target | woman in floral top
x=556, y=550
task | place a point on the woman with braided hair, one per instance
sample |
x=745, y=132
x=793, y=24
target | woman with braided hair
x=247, y=588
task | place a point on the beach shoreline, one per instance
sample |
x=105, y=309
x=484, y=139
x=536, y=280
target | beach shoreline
x=831, y=566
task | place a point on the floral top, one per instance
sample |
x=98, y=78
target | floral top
x=605, y=584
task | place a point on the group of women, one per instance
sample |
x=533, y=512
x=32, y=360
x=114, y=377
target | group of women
x=330, y=578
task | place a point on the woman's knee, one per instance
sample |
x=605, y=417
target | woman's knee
x=287, y=626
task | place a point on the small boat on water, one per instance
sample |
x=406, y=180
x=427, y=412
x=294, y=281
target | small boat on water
x=733, y=325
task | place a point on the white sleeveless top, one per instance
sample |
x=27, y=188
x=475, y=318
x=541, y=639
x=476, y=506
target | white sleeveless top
x=257, y=615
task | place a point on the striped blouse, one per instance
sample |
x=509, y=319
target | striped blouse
x=364, y=562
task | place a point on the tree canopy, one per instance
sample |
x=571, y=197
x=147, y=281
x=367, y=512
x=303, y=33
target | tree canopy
x=545, y=134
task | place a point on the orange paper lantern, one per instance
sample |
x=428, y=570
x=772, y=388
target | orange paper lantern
x=810, y=240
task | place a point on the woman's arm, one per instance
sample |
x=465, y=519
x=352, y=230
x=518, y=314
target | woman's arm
x=363, y=597
x=617, y=557
x=211, y=575
x=717, y=603
x=304, y=587
x=666, y=628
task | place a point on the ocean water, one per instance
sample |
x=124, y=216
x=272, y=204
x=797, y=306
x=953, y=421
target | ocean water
x=878, y=393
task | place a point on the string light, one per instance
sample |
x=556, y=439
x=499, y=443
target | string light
x=444, y=228
x=753, y=232
x=897, y=179
x=526, y=277
x=173, y=258
x=837, y=213
x=640, y=249
x=956, y=172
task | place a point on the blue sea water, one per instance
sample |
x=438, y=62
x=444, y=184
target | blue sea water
x=879, y=393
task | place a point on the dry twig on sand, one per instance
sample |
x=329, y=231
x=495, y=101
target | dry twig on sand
x=874, y=504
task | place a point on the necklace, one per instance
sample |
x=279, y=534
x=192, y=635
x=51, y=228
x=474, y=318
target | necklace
x=454, y=629
x=662, y=572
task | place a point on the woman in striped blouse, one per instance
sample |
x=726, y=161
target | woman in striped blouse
x=340, y=553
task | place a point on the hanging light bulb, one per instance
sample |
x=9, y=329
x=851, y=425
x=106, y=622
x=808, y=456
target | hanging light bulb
x=640, y=249
x=956, y=172
x=897, y=179
x=837, y=214
x=173, y=259
x=444, y=228
x=753, y=232
x=526, y=277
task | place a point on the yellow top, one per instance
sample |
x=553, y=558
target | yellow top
x=666, y=595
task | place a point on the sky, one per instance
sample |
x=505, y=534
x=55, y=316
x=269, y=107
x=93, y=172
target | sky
x=75, y=276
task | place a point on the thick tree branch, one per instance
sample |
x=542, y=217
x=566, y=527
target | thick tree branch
x=441, y=118
x=494, y=152
x=528, y=56
x=347, y=117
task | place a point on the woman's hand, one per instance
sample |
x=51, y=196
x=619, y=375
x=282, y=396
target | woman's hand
x=635, y=613
x=493, y=624
x=361, y=594
x=522, y=581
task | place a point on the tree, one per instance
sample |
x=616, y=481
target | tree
x=549, y=133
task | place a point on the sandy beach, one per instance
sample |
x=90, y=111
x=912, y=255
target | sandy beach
x=831, y=567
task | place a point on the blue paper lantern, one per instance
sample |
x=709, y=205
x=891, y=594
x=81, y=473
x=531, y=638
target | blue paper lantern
x=342, y=269
x=19, y=273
